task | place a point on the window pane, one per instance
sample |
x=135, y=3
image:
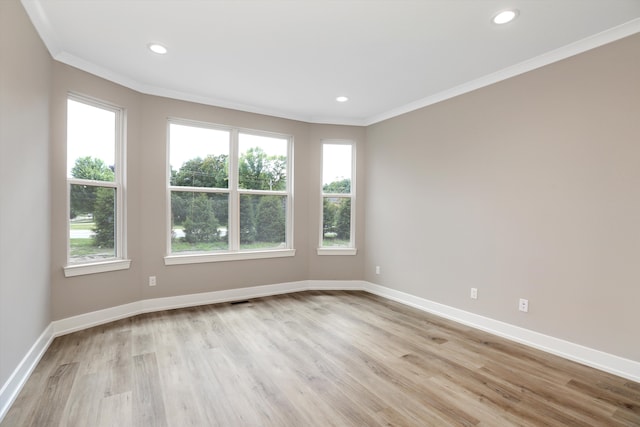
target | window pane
x=199, y=221
x=92, y=223
x=91, y=142
x=262, y=221
x=199, y=157
x=336, y=226
x=263, y=162
x=336, y=168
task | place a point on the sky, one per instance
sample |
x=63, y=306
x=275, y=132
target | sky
x=91, y=132
x=189, y=142
x=336, y=162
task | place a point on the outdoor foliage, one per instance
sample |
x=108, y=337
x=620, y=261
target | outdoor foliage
x=210, y=172
x=247, y=219
x=342, y=186
x=270, y=219
x=336, y=211
x=258, y=171
x=343, y=220
x=104, y=217
x=336, y=218
x=95, y=200
x=83, y=197
x=262, y=218
x=201, y=224
x=329, y=211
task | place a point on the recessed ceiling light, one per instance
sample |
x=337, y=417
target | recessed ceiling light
x=157, y=48
x=342, y=99
x=505, y=16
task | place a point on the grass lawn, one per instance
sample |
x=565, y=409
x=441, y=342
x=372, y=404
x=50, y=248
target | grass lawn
x=84, y=247
x=82, y=225
x=179, y=245
x=335, y=243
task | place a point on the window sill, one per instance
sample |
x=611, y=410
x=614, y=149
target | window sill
x=227, y=256
x=98, y=267
x=337, y=251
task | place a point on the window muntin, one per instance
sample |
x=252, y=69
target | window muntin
x=337, y=195
x=94, y=180
x=199, y=182
x=229, y=188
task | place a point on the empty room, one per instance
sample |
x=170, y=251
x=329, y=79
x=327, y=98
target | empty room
x=319, y=213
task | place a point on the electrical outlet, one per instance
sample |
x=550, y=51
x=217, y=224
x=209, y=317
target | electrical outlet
x=377, y=269
x=523, y=305
x=474, y=293
x=152, y=280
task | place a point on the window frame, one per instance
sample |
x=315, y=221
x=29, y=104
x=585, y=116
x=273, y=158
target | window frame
x=234, y=251
x=338, y=250
x=119, y=261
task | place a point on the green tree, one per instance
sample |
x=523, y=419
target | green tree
x=343, y=220
x=210, y=172
x=179, y=207
x=342, y=186
x=270, y=220
x=83, y=197
x=201, y=224
x=329, y=210
x=250, y=169
x=258, y=171
x=277, y=173
x=90, y=168
x=93, y=199
x=247, y=219
x=104, y=217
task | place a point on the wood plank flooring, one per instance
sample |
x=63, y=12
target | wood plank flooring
x=311, y=359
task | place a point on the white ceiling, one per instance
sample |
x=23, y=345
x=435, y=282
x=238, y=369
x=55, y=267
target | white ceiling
x=291, y=58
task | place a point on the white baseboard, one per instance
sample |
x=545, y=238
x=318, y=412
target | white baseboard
x=336, y=285
x=625, y=368
x=20, y=375
x=95, y=318
x=616, y=365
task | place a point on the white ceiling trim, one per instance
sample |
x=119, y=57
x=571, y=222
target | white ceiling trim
x=43, y=26
x=107, y=74
x=592, y=42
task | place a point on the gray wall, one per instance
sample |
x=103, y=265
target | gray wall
x=524, y=189
x=146, y=204
x=25, y=83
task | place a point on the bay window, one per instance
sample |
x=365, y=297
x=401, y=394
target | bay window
x=230, y=193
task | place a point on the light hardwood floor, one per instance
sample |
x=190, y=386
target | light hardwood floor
x=311, y=359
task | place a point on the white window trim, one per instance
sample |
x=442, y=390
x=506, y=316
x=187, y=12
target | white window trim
x=234, y=253
x=120, y=261
x=227, y=256
x=323, y=251
x=351, y=249
x=96, y=267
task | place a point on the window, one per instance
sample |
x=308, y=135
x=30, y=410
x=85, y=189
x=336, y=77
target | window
x=95, y=149
x=230, y=194
x=338, y=196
